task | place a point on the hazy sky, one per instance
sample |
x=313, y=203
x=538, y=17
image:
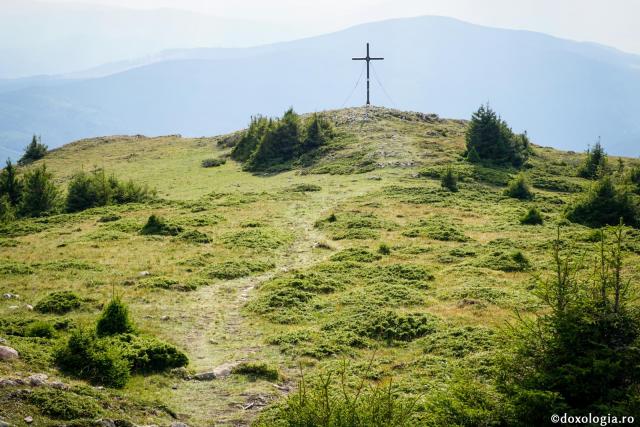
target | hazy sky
x=610, y=22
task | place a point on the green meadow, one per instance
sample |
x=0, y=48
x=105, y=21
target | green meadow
x=355, y=262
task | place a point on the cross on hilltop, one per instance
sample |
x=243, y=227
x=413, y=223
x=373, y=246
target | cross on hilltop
x=368, y=59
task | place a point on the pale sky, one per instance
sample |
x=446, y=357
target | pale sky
x=610, y=22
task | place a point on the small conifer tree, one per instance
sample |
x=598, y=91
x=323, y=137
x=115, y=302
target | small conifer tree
x=519, y=188
x=605, y=204
x=449, y=180
x=34, y=151
x=251, y=138
x=580, y=353
x=384, y=249
x=81, y=193
x=632, y=177
x=595, y=164
x=317, y=133
x=114, y=319
x=10, y=184
x=275, y=144
x=473, y=156
x=7, y=211
x=40, y=195
x=532, y=217
x=279, y=145
x=492, y=139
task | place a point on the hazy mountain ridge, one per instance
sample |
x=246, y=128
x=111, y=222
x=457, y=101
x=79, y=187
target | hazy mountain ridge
x=75, y=36
x=564, y=93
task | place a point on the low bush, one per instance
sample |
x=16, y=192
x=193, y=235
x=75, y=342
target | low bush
x=385, y=325
x=518, y=188
x=146, y=354
x=280, y=296
x=110, y=358
x=507, y=261
x=356, y=255
x=491, y=175
x=403, y=272
x=459, y=341
x=63, y=404
x=353, y=226
x=65, y=265
x=304, y=188
x=256, y=238
x=87, y=357
x=195, y=236
x=170, y=284
x=212, y=163
x=332, y=400
x=285, y=299
x=159, y=226
x=40, y=329
x=436, y=229
x=60, y=302
x=555, y=184
x=257, y=370
x=16, y=326
x=465, y=401
x=114, y=319
x=229, y=270
x=498, y=176
x=479, y=294
x=355, y=234
x=462, y=252
x=109, y=218
x=251, y=224
x=291, y=338
x=400, y=327
x=13, y=267
x=8, y=243
x=384, y=249
x=532, y=217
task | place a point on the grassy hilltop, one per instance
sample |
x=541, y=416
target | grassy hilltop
x=359, y=254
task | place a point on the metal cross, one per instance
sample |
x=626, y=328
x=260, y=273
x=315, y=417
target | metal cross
x=368, y=59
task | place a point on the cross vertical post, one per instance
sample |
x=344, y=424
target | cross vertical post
x=368, y=58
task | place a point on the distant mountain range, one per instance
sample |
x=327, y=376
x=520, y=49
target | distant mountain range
x=38, y=37
x=565, y=94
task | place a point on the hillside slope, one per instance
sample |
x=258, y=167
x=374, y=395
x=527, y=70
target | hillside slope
x=564, y=93
x=450, y=266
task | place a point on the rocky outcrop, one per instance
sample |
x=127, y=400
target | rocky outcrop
x=8, y=353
